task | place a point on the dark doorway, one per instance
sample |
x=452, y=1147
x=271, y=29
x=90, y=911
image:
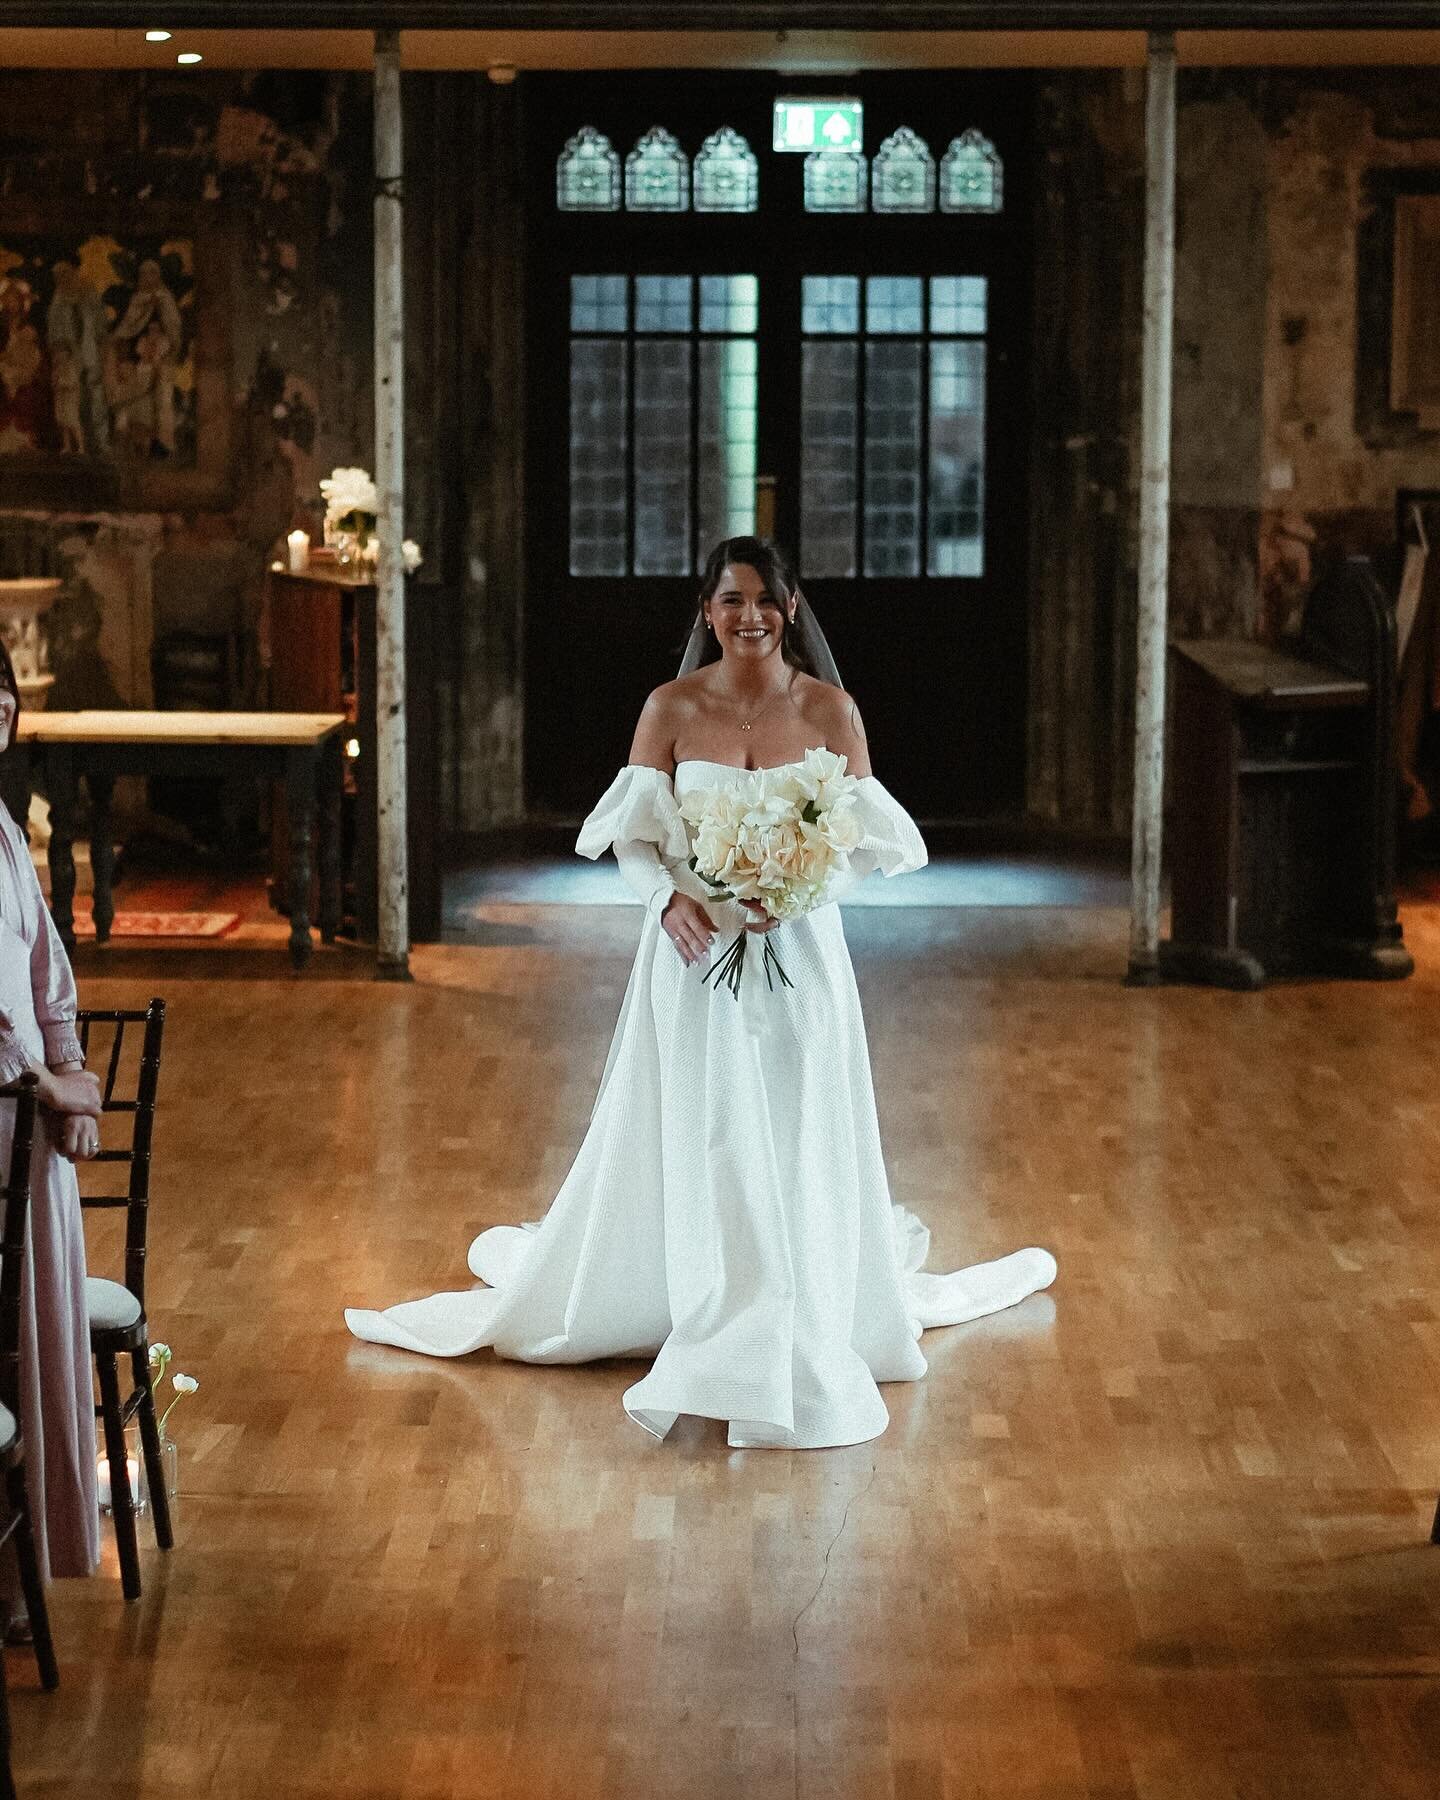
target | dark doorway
x=854, y=380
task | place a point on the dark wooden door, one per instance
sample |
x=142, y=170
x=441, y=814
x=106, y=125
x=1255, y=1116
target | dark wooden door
x=857, y=376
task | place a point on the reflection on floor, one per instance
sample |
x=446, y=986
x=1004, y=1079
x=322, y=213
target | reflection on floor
x=980, y=878
x=1160, y=1534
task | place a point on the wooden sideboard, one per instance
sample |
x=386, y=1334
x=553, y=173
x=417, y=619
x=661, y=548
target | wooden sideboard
x=322, y=659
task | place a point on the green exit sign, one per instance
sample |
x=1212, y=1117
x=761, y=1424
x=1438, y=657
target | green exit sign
x=819, y=124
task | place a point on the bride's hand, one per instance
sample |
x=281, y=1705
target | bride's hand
x=688, y=926
x=759, y=919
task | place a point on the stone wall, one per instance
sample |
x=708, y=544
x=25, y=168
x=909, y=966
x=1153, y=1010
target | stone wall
x=1284, y=449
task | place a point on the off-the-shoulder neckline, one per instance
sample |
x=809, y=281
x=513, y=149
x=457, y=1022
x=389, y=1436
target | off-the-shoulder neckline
x=735, y=768
x=706, y=762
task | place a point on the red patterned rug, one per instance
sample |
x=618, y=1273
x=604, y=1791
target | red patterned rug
x=157, y=924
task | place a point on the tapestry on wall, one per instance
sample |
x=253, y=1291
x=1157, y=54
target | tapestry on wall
x=97, y=348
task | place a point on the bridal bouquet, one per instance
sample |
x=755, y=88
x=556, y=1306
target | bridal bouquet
x=780, y=838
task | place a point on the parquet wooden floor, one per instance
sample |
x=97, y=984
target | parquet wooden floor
x=1160, y=1534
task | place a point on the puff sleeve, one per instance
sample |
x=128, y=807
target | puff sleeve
x=891, y=842
x=639, y=818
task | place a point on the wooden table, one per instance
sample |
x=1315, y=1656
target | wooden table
x=302, y=750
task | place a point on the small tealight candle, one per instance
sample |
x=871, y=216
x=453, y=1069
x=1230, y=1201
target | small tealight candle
x=102, y=1478
x=299, y=543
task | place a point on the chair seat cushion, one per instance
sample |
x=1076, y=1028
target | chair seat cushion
x=9, y=1429
x=112, y=1307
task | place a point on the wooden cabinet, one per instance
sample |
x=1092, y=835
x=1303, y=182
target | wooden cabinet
x=322, y=658
x=1283, y=798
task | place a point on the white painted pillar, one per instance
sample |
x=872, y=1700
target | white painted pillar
x=393, y=872
x=1155, y=399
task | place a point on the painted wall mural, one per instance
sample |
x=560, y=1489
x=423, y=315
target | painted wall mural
x=97, y=348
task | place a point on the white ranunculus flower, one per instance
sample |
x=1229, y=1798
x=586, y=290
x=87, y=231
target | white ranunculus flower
x=184, y=1384
x=411, y=556
x=159, y=1353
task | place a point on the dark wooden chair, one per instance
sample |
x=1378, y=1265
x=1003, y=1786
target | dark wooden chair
x=12, y=1444
x=118, y=1326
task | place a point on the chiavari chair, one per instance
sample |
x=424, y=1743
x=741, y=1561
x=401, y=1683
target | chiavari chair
x=118, y=1325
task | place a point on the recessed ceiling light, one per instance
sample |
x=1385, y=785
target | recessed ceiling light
x=157, y=37
x=189, y=56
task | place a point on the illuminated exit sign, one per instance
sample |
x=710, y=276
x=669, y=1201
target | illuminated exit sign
x=811, y=124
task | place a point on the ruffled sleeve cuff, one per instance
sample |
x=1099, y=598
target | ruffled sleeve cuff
x=61, y=1043
x=639, y=806
x=13, y=1062
x=892, y=840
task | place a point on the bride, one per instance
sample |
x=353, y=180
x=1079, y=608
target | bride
x=728, y=1212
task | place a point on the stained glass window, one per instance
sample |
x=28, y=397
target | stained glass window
x=729, y=303
x=599, y=452
x=904, y=177
x=664, y=419
x=587, y=174
x=597, y=302
x=662, y=302
x=729, y=419
x=835, y=183
x=657, y=174
x=957, y=459
x=830, y=458
x=829, y=304
x=972, y=176
x=727, y=176
x=958, y=305
x=892, y=426
x=894, y=305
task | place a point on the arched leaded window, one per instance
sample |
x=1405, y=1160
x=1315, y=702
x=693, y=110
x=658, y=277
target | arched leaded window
x=587, y=174
x=657, y=174
x=836, y=183
x=972, y=176
x=903, y=180
x=727, y=175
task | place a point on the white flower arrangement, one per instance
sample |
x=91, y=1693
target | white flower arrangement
x=349, y=494
x=352, y=505
x=779, y=839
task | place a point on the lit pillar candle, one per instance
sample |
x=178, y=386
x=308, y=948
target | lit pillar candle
x=299, y=542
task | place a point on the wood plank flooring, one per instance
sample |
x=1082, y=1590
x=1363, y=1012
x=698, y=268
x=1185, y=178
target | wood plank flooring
x=1159, y=1534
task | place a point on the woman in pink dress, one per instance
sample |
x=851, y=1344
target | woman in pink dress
x=37, y=1031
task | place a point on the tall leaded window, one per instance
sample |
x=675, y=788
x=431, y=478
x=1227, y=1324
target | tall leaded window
x=664, y=403
x=727, y=175
x=587, y=174
x=903, y=178
x=972, y=176
x=657, y=174
x=892, y=425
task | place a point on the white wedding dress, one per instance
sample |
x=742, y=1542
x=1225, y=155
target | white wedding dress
x=728, y=1213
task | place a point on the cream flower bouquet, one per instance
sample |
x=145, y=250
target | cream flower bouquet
x=780, y=838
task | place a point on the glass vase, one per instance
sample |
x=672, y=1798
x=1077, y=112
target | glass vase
x=139, y=1478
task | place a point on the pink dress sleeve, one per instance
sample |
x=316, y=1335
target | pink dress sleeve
x=52, y=983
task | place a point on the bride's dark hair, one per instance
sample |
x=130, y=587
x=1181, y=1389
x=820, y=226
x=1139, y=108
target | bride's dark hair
x=776, y=577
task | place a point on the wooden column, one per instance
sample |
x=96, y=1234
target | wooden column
x=394, y=912
x=1155, y=398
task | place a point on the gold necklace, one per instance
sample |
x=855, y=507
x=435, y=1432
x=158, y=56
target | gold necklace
x=746, y=724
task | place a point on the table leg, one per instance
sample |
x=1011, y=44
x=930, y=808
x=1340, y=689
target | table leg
x=300, y=785
x=101, y=784
x=62, y=782
x=332, y=778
